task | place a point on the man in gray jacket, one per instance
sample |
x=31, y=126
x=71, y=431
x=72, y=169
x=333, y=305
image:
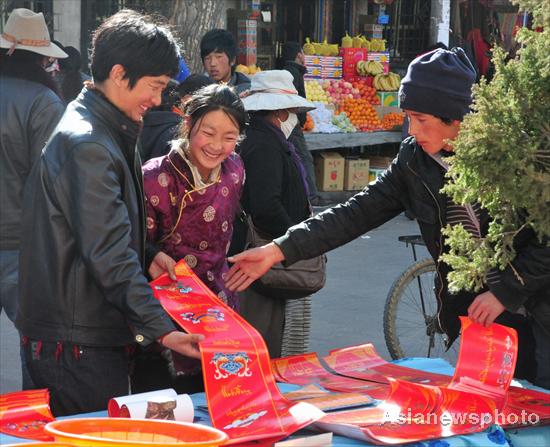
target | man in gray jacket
x=29, y=111
x=84, y=299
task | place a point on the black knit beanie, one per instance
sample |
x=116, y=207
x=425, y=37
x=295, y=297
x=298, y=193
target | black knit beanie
x=439, y=83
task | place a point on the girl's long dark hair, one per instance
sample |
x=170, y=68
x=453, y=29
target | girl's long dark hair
x=26, y=65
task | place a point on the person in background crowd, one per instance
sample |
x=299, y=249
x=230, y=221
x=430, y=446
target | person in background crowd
x=219, y=55
x=69, y=77
x=413, y=182
x=293, y=60
x=192, y=195
x=30, y=109
x=84, y=299
x=191, y=84
x=275, y=196
x=160, y=124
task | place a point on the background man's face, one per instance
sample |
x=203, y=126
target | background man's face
x=218, y=66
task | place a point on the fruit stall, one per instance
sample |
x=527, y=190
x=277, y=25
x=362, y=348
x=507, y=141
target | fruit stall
x=355, y=93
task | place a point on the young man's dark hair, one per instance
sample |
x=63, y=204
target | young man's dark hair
x=219, y=41
x=135, y=42
x=84, y=223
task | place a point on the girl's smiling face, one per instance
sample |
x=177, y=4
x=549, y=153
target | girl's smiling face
x=430, y=132
x=211, y=140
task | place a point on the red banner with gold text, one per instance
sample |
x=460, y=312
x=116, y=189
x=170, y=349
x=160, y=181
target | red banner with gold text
x=243, y=398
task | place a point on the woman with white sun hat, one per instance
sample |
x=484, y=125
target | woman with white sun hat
x=275, y=195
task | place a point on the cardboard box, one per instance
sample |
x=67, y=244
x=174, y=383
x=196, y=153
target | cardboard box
x=329, y=171
x=313, y=60
x=356, y=174
x=313, y=71
x=390, y=99
x=331, y=62
x=379, y=56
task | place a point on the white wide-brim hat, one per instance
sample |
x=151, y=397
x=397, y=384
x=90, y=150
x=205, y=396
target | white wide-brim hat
x=274, y=90
x=27, y=30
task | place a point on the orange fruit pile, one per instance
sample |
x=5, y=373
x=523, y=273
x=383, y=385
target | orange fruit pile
x=392, y=119
x=308, y=125
x=366, y=91
x=361, y=114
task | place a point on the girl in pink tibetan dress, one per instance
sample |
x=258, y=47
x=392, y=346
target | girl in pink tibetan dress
x=192, y=195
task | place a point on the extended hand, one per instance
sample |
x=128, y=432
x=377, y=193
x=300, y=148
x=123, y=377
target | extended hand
x=250, y=265
x=184, y=344
x=485, y=309
x=162, y=263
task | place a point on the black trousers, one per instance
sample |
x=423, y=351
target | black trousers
x=80, y=379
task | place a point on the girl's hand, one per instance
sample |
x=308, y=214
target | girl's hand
x=182, y=343
x=250, y=265
x=485, y=309
x=162, y=263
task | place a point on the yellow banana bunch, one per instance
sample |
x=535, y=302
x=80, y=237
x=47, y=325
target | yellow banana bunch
x=374, y=68
x=309, y=49
x=387, y=82
x=361, y=68
x=377, y=45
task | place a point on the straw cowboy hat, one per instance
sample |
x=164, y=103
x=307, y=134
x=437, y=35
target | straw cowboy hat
x=274, y=90
x=27, y=30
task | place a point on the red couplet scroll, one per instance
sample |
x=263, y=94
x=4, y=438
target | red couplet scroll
x=25, y=413
x=243, y=398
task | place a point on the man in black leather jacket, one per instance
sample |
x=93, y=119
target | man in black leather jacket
x=435, y=95
x=84, y=298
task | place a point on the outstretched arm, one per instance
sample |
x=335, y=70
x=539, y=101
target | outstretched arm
x=251, y=264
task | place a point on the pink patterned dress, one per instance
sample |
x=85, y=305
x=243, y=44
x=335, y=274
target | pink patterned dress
x=190, y=220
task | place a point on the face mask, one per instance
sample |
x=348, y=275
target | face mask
x=288, y=126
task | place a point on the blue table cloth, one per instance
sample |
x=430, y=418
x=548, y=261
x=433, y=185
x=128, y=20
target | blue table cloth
x=493, y=436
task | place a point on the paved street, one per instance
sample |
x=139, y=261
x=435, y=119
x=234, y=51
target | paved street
x=346, y=312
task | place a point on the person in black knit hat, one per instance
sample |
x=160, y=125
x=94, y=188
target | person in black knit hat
x=435, y=94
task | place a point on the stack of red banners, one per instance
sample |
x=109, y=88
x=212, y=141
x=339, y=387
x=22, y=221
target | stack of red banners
x=418, y=405
x=25, y=413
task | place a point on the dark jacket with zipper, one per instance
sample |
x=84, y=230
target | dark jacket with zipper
x=412, y=183
x=83, y=251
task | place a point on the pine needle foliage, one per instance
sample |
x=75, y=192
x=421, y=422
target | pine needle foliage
x=502, y=157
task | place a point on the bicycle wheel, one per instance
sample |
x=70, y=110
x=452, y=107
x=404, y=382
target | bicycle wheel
x=410, y=316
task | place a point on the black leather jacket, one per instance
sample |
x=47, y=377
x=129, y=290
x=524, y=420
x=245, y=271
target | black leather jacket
x=81, y=260
x=412, y=183
x=29, y=112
